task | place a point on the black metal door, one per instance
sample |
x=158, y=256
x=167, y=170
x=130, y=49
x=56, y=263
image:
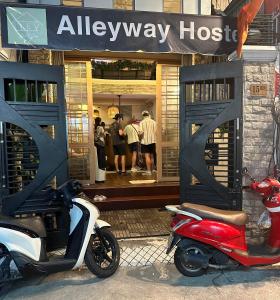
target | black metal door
x=32, y=131
x=211, y=135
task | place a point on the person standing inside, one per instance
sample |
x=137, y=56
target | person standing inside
x=148, y=142
x=118, y=140
x=99, y=143
x=132, y=131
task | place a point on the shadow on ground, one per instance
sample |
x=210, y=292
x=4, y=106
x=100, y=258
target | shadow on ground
x=168, y=274
x=44, y=284
x=163, y=278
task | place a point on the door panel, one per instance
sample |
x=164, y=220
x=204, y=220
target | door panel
x=210, y=134
x=33, y=131
x=168, y=122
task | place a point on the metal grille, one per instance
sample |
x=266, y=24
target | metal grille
x=22, y=158
x=219, y=154
x=170, y=161
x=20, y=90
x=77, y=119
x=170, y=122
x=144, y=252
x=276, y=27
x=210, y=90
x=262, y=31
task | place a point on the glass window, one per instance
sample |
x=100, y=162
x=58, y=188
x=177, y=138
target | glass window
x=52, y=92
x=31, y=91
x=148, y=5
x=99, y=3
x=20, y=90
x=42, y=91
x=9, y=89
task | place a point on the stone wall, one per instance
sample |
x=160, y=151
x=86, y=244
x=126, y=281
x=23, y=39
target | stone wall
x=39, y=57
x=123, y=4
x=172, y=6
x=257, y=138
x=46, y=57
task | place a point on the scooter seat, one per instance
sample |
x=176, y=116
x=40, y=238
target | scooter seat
x=34, y=225
x=205, y=212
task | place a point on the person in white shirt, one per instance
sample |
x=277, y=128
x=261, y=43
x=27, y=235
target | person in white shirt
x=132, y=131
x=148, y=142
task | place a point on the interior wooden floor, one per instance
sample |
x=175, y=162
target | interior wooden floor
x=116, y=180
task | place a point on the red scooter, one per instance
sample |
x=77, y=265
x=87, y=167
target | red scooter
x=208, y=237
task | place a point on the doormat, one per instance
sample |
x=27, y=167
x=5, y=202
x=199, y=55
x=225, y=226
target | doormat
x=148, y=181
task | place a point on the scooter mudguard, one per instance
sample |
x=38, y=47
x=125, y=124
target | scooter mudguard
x=173, y=240
x=100, y=224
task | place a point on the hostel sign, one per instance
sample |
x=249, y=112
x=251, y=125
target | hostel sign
x=69, y=28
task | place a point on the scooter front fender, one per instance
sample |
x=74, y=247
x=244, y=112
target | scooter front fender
x=100, y=224
x=173, y=240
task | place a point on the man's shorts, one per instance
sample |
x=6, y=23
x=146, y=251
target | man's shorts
x=119, y=149
x=133, y=147
x=151, y=148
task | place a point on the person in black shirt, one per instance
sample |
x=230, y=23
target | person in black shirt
x=118, y=140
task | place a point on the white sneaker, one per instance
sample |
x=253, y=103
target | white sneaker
x=133, y=170
x=97, y=198
x=147, y=173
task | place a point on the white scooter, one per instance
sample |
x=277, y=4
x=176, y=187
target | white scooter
x=23, y=241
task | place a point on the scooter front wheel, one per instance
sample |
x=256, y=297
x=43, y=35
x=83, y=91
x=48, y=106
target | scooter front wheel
x=183, y=265
x=102, y=256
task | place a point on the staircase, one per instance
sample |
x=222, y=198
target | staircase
x=140, y=196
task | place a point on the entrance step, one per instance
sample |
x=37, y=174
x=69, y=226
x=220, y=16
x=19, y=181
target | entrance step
x=129, y=197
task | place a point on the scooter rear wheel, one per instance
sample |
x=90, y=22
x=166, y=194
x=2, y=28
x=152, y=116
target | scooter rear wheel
x=183, y=266
x=100, y=261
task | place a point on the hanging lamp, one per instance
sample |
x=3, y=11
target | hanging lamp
x=112, y=111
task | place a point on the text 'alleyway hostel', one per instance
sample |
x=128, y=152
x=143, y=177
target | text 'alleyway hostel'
x=68, y=28
x=83, y=26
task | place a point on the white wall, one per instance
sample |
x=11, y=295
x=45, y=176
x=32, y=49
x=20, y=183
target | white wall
x=98, y=3
x=192, y=7
x=6, y=54
x=135, y=111
x=205, y=7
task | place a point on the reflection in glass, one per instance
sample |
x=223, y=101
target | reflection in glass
x=31, y=91
x=20, y=90
x=9, y=89
x=42, y=91
x=52, y=92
